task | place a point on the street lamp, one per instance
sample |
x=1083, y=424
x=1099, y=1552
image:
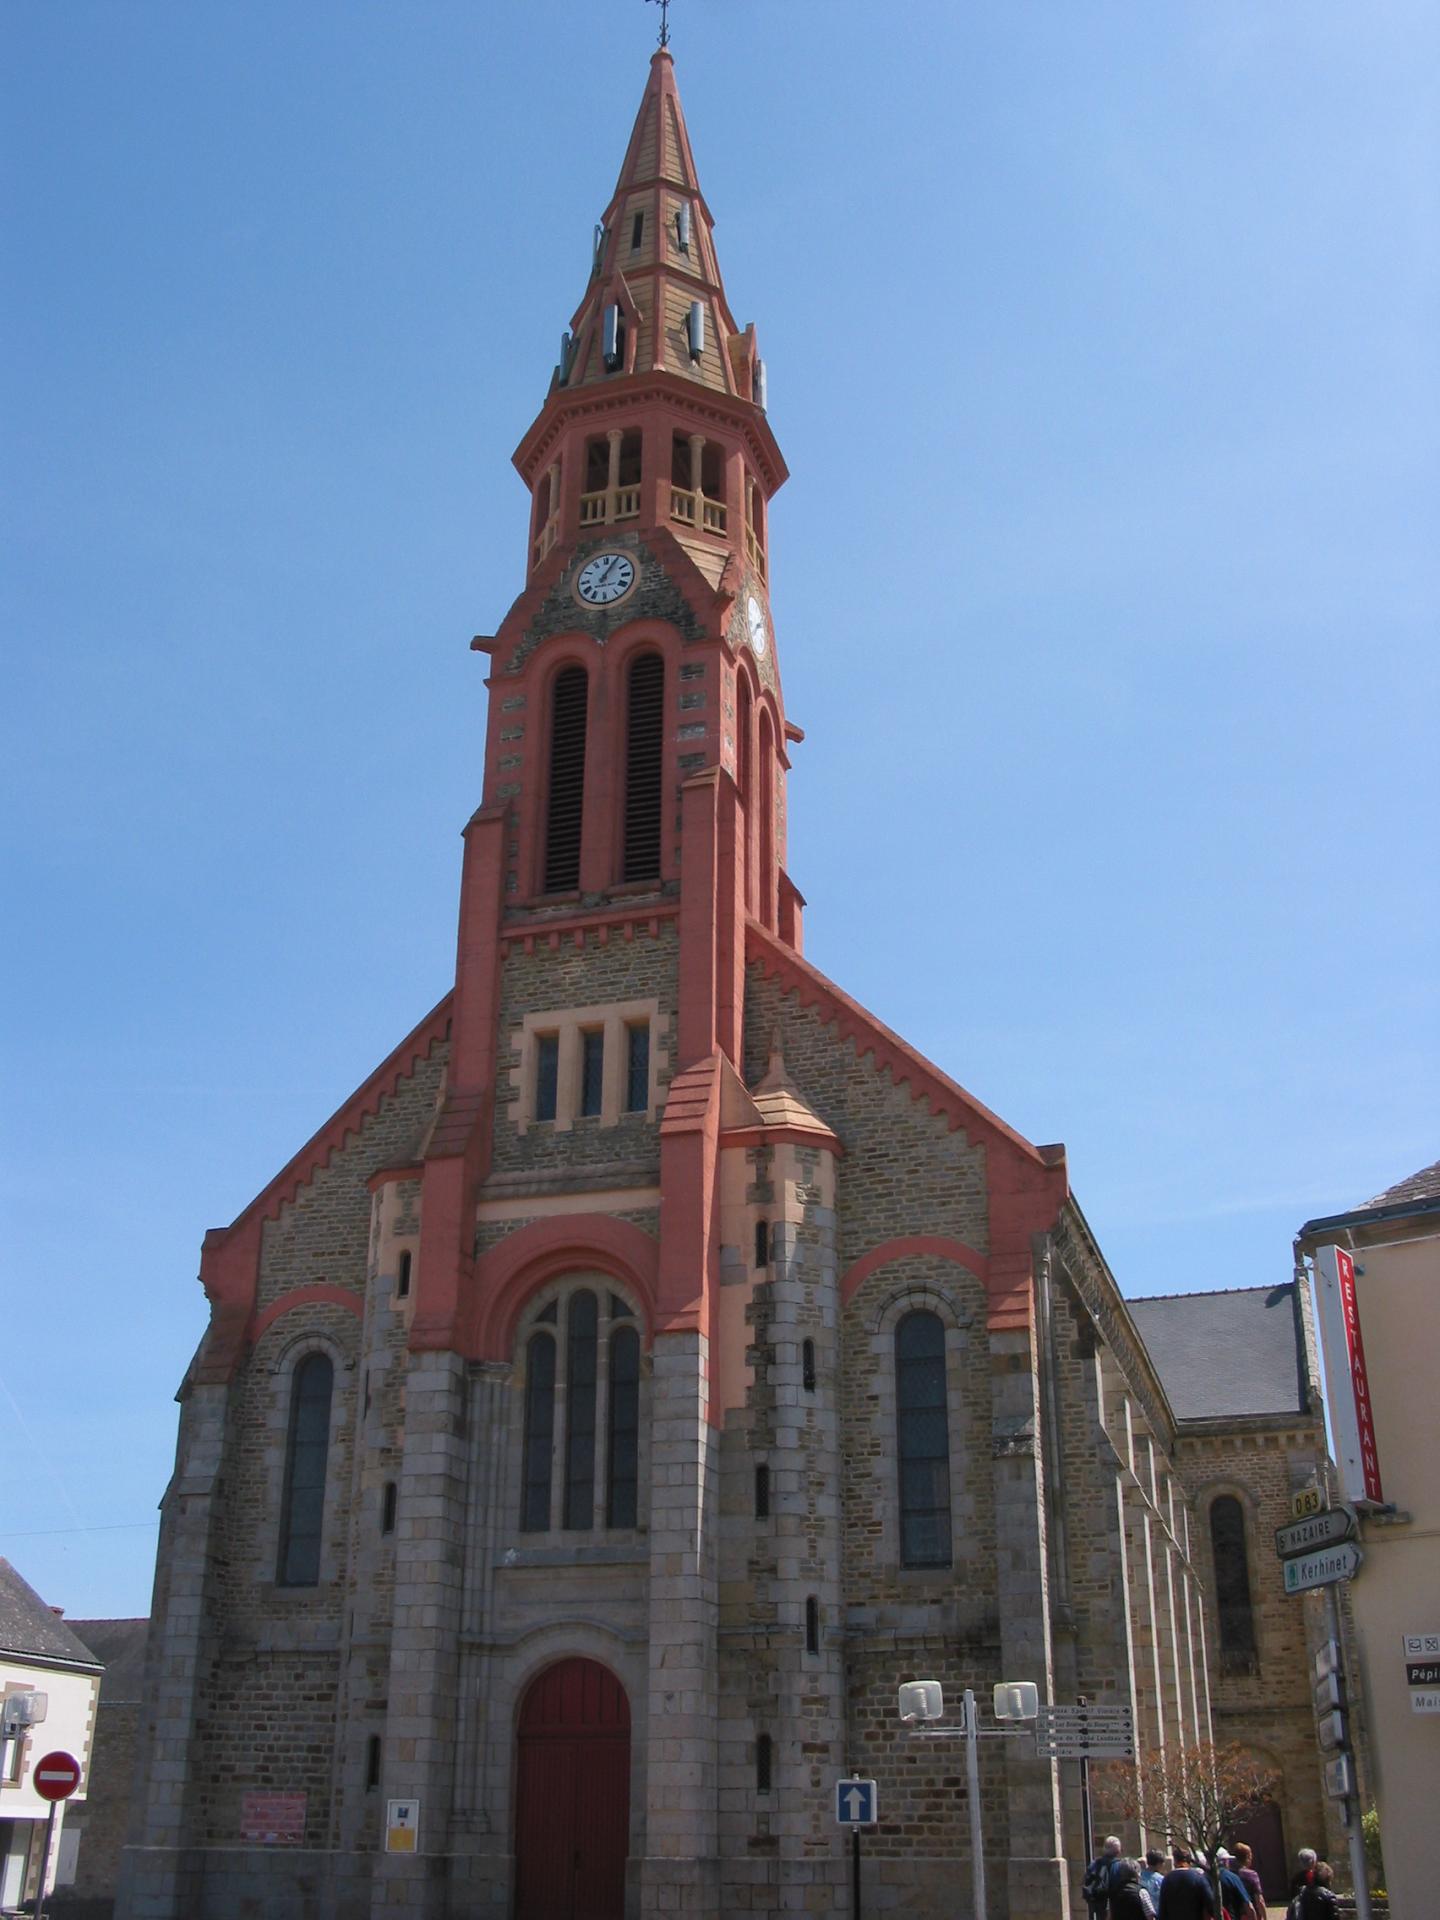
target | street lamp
x=922, y=1708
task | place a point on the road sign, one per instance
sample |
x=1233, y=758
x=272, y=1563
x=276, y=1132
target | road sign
x=1085, y=1733
x=56, y=1776
x=402, y=1826
x=1340, y=1777
x=1422, y=1646
x=1322, y=1569
x=1309, y=1500
x=1326, y=1529
x=1327, y=1660
x=1331, y=1728
x=1422, y=1673
x=1328, y=1693
x=857, y=1804
x=1425, y=1699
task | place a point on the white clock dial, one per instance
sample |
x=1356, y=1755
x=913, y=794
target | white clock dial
x=755, y=620
x=605, y=579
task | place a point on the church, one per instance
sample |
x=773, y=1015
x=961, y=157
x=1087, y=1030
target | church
x=656, y=1360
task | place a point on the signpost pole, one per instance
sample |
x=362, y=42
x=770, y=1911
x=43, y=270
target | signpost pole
x=1359, y=1872
x=45, y=1859
x=1087, y=1818
x=972, y=1787
x=855, y=1873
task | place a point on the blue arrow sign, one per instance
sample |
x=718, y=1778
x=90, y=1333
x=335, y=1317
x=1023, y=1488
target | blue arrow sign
x=856, y=1803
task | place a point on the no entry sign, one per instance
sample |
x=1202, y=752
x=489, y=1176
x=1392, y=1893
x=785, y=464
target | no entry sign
x=56, y=1776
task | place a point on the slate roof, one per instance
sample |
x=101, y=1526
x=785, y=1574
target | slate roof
x=121, y=1645
x=1229, y=1353
x=1424, y=1185
x=29, y=1627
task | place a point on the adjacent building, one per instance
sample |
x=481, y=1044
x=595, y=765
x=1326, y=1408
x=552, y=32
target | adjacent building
x=49, y=1684
x=1393, y=1242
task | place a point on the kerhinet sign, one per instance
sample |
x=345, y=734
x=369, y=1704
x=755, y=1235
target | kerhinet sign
x=1350, y=1409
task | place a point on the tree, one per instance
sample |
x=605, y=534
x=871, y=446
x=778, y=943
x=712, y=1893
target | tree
x=1198, y=1795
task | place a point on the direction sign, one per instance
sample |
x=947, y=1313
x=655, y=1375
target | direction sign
x=1309, y=1500
x=1328, y=1694
x=56, y=1776
x=857, y=1804
x=1322, y=1569
x=1425, y=1700
x=1331, y=1727
x=1422, y=1673
x=1339, y=1777
x=1321, y=1530
x=1085, y=1733
x=1327, y=1660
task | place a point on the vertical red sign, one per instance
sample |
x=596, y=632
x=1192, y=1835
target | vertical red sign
x=1359, y=1379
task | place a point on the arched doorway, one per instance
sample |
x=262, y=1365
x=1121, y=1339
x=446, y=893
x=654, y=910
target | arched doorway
x=572, y=1795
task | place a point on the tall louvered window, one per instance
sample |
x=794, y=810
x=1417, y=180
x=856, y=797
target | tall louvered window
x=539, y=1433
x=580, y=1369
x=923, y=1441
x=567, y=780
x=303, y=1512
x=744, y=779
x=765, y=837
x=1232, y=1582
x=644, y=739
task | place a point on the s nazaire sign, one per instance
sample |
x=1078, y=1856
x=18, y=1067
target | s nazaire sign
x=1351, y=1412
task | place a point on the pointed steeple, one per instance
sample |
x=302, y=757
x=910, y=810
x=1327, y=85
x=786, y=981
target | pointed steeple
x=656, y=302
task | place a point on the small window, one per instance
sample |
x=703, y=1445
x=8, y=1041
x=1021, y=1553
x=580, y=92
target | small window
x=539, y=1434
x=592, y=1071
x=812, y=1624
x=807, y=1365
x=303, y=1513
x=762, y=1491
x=637, y=232
x=387, y=1508
x=762, y=1243
x=372, y=1763
x=547, y=1075
x=637, y=1068
x=402, y=1277
x=764, y=1762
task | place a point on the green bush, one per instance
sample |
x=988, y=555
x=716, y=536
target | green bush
x=1374, y=1858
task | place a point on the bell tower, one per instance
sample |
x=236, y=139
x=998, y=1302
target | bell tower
x=641, y=652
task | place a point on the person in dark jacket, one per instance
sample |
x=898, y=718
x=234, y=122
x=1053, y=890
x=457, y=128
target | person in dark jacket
x=1304, y=1870
x=1318, y=1901
x=1185, y=1893
x=1096, y=1885
x=1128, y=1899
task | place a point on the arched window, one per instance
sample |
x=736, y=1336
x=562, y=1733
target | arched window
x=1232, y=1580
x=539, y=1433
x=644, y=745
x=923, y=1441
x=302, y=1512
x=624, y=1465
x=764, y=1762
x=567, y=780
x=582, y=1374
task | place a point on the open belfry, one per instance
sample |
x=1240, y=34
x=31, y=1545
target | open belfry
x=656, y=1361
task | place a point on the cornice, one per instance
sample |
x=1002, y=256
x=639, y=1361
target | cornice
x=1076, y=1249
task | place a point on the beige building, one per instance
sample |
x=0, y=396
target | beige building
x=1395, y=1242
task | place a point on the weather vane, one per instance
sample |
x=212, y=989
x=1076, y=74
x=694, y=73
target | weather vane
x=664, y=6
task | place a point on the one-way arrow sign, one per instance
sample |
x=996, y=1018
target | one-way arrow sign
x=856, y=1803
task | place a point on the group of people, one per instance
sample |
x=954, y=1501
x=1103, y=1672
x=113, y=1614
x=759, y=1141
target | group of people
x=1175, y=1886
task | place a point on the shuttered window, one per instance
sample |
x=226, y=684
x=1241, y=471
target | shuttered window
x=567, y=780
x=923, y=1441
x=306, y=1456
x=644, y=740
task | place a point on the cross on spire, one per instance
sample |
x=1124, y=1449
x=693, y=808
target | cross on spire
x=664, y=6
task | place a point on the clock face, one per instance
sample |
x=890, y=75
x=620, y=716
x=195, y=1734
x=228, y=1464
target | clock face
x=755, y=621
x=605, y=579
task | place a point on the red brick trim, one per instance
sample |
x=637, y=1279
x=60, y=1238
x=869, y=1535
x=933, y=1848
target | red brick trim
x=783, y=1135
x=506, y=1277
x=905, y=1246
x=383, y=1176
x=528, y=934
x=323, y=1293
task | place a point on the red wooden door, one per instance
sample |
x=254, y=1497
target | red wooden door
x=572, y=1796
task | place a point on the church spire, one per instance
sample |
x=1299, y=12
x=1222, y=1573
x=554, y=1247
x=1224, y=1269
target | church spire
x=655, y=302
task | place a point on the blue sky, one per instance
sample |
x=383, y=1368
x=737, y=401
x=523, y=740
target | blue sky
x=1101, y=345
